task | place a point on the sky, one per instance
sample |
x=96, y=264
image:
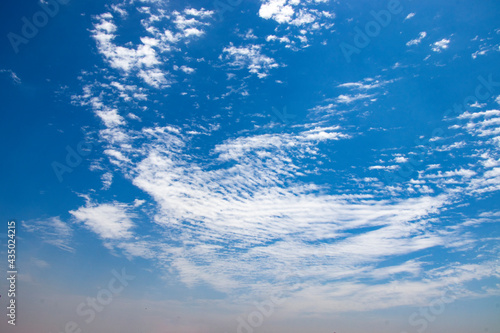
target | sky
x=251, y=165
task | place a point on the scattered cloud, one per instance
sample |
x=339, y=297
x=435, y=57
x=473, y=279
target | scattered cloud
x=440, y=45
x=249, y=57
x=246, y=204
x=417, y=41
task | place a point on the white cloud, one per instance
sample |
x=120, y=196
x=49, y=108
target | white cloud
x=238, y=216
x=193, y=32
x=119, y=10
x=278, y=10
x=108, y=221
x=383, y=167
x=145, y=59
x=400, y=159
x=485, y=114
x=440, y=45
x=123, y=58
x=304, y=17
x=239, y=147
x=111, y=118
x=293, y=12
x=417, y=41
x=249, y=57
x=249, y=35
x=199, y=13
x=271, y=38
x=347, y=99
x=141, y=249
x=154, y=77
x=486, y=48
x=455, y=173
x=366, y=84
x=107, y=180
x=12, y=75
x=362, y=86
x=410, y=16
x=250, y=208
x=185, y=69
x=138, y=202
x=126, y=59
x=489, y=181
x=246, y=205
x=433, y=166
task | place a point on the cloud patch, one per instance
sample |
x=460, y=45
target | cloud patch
x=109, y=221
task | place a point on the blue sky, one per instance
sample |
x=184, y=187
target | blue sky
x=337, y=160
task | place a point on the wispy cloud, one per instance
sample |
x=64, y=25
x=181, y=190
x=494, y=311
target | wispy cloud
x=347, y=99
x=52, y=231
x=13, y=76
